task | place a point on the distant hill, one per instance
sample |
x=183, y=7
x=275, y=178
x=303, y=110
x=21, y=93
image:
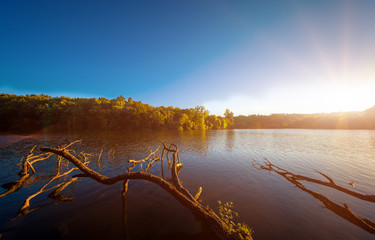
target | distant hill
x=343, y=120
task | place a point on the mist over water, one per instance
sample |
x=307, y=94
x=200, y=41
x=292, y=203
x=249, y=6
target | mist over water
x=218, y=161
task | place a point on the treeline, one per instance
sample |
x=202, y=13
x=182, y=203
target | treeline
x=352, y=120
x=35, y=112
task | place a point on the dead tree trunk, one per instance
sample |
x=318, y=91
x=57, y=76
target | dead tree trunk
x=176, y=189
x=207, y=216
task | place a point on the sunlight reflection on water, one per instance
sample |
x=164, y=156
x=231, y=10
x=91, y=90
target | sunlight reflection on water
x=220, y=162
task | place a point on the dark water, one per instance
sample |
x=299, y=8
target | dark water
x=220, y=162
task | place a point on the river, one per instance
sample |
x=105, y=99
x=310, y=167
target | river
x=218, y=161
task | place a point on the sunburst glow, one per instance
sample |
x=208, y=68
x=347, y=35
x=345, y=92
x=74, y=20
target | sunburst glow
x=317, y=74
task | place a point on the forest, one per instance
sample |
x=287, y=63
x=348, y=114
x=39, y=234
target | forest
x=341, y=120
x=36, y=112
x=30, y=113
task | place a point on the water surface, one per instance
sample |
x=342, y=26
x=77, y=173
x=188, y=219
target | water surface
x=218, y=161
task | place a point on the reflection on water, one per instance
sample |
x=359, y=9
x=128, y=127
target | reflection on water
x=230, y=136
x=219, y=162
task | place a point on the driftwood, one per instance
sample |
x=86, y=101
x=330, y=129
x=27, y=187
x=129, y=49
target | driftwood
x=27, y=172
x=205, y=214
x=342, y=211
x=173, y=186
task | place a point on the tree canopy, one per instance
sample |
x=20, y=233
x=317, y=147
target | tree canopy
x=35, y=112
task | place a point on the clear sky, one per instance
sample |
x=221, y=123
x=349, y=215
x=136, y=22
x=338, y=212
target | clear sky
x=253, y=57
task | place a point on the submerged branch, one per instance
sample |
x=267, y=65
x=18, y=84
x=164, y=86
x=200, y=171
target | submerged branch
x=24, y=173
x=174, y=187
x=181, y=194
x=26, y=205
x=342, y=211
x=268, y=165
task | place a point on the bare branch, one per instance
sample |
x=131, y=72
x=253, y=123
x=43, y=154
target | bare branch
x=70, y=144
x=343, y=212
x=329, y=179
x=206, y=215
x=55, y=194
x=24, y=173
x=26, y=205
x=198, y=194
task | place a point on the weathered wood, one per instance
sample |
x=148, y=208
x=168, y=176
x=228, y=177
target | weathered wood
x=24, y=173
x=344, y=212
x=268, y=165
x=204, y=214
x=55, y=194
x=25, y=209
x=14, y=186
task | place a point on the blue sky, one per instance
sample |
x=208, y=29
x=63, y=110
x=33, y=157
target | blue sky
x=253, y=57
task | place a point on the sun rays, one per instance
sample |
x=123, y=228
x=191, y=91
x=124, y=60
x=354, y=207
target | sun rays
x=318, y=65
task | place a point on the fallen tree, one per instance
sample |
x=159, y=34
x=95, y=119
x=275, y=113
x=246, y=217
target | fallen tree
x=342, y=211
x=211, y=221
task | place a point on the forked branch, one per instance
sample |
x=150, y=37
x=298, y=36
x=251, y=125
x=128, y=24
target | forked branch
x=174, y=187
x=342, y=211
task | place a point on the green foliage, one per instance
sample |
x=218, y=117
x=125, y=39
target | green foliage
x=227, y=214
x=35, y=112
x=229, y=117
